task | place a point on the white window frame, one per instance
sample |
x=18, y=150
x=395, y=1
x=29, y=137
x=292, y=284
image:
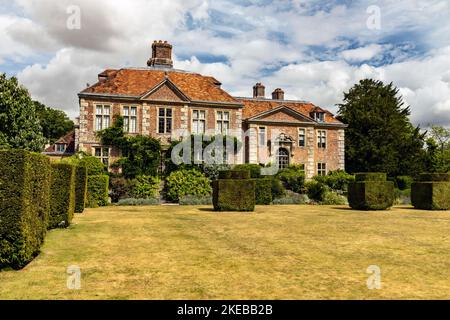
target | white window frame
x=319, y=116
x=322, y=139
x=262, y=142
x=304, y=137
x=321, y=168
x=165, y=117
x=60, y=144
x=103, y=158
x=128, y=117
x=197, y=120
x=102, y=118
x=222, y=121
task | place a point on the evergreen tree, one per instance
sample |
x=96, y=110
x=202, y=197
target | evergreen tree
x=380, y=136
x=19, y=124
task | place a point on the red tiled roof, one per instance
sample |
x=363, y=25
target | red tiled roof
x=68, y=139
x=137, y=82
x=253, y=107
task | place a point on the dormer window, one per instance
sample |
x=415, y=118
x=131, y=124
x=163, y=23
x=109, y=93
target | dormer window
x=60, y=147
x=319, y=116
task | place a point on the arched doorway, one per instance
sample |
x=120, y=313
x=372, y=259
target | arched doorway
x=282, y=158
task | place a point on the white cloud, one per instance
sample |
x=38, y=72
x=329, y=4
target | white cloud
x=363, y=53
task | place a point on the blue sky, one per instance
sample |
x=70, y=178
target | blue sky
x=314, y=50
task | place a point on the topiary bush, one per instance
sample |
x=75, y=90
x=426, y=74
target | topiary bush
x=235, y=192
x=62, y=204
x=97, y=191
x=254, y=169
x=263, y=191
x=292, y=179
x=373, y=194
x=183, y=182
x=24, y=206
x=80, y=188
x=431, y=192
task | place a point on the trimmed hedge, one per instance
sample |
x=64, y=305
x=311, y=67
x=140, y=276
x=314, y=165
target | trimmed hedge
x=434, y=177
x=263, y=191
x=80, y=188
x=253, y=168
x=372, y=194
x=432, y=194
x=24, y=206
x=97, y=190
x=370, y=176
x=234, y=174
x=62, y=204
x=234, y=194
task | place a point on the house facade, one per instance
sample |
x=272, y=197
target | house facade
x=164, y=103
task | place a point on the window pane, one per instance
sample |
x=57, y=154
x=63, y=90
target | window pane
x=133, y=111
x=125, y=111
x=201, y=126
x=98, y=152
x=106, y=110
x=125, y=124
x=195, y=126
x=98, y=110
x=219, y=115
x=219, y=126
x=195, y=114
x=133, y=126
x=168, y=112
x=161, y=112
x=106, y=122
x=168, y=125
x=202, y=114
x=98, y=123
x=226, y=116
x=161, y=125
x=105, y=152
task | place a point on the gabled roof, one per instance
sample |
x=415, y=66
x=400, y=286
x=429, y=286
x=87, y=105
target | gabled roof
x=138, y=82
x=257, y=106
x=68, y=139
x=299, y=116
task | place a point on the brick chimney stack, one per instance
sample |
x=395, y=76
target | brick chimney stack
x=161, y=55
x=259, y=91
x=278, y=94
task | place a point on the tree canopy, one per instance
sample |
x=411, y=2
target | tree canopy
x=20, y=126
x=55, y=123
x=380, y=136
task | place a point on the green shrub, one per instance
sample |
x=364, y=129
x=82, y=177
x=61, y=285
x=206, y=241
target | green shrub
x=372, y=194
x=143, y=187
x=80, y=188
x=404, y=182
x=190, y=200
x=432, y=194
x=434, y=177
x=24, y=206
x=316, y=190
x=336, y=180
x=97, y=194
x=183, y=182
x=254, y=169
x=277, y=188
x=93, y=165
x=263, y=191
x=292, y=179
x=370, y=176
x=211, y=171
x=234, y=174
x=138, y=202
x=120, y=188
x=333, y=198
x=62, y=199
x=291, y=197
x=234, y=195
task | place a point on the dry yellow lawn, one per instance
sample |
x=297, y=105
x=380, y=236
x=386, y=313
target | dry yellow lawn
x=278, y=252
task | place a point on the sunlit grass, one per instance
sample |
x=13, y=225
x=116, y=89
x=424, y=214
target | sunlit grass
x=277, y=252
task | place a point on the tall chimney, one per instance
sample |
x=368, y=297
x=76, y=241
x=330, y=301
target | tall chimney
x=161, y=55
x=259, y=91
x=278, y=94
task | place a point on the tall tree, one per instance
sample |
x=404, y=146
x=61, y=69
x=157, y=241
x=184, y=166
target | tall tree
x=55, y=123
x=441, y=136
x=19, y=124
x=380, y=136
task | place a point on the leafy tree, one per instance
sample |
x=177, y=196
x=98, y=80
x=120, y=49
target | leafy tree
x=19, y=123
x=55, y=123
x=439, y=137
x=380, y=136
x=140, y=154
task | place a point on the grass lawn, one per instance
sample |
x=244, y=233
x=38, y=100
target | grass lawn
x=277, y=252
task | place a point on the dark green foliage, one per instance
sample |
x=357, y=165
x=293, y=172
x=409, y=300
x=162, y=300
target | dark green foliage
x=144, y=187
x=80, y=188
x=55, y=123
x=404, y=182
x=336, y=180
x=371, y=195
x=211, y=171
x=434, y=177
x=263, y=191
x=19, y=124
x=24, y=206
x=234, y=174
x=316, y=190
x=234, y=195
x=370, y=176
x=432, y=192
x=97, y=194
x=277, y=188
x=224, y=174
x=120, y=188
x=187, y=182
x=62, y=198
x=254, y=169
x=141, y=155
x=292, y=179
x=93, y=165
x=438, y=146
x=380, y=136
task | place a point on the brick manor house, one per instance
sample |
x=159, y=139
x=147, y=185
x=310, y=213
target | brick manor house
x=159, y=100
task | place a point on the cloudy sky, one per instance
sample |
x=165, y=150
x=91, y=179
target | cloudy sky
x=314, y=50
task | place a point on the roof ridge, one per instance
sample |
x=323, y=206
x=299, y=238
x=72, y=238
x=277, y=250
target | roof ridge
x=275, y=100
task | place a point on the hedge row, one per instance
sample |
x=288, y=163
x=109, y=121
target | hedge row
x=97, y=190
x=24, y=206
x=62, y=204
x=80, y=188
x=371, y=191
